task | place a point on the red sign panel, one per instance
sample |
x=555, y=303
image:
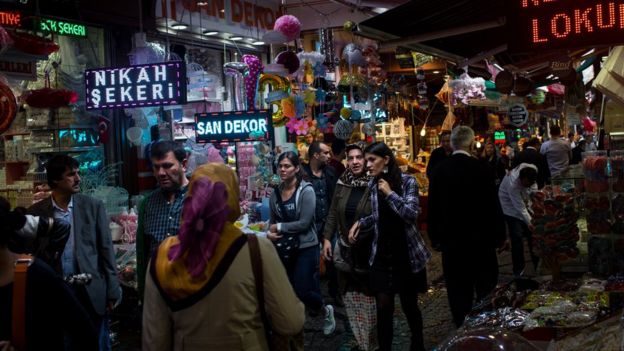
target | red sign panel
x=537, y=25
x=10, y=18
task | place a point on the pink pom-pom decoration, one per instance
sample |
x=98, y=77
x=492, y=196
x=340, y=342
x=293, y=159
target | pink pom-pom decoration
x=289, y=26
x=251, y=80
x=289, y=59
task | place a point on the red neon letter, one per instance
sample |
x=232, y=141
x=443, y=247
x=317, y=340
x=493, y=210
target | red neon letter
x=525, y=3
x=536, y=38
x=580, y=20
x=600, y=16
x=567, y=22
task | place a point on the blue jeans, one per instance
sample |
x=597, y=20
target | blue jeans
x=517, y=231
x=303, y=273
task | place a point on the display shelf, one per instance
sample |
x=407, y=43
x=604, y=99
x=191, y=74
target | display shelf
x=48, y=150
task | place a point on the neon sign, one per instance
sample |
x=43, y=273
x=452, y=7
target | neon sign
x=62, y=28
x=233, y=126
x=557, y=24
x=136, y=86
x=10, y=18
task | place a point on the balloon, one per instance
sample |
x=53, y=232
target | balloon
x=355, y=116
x=279, y=86
x=251, y=80
x=289, y=26
x=343, y=129
x=289, y=59
x=345, y=112
x=237, y=70
x=353, y=55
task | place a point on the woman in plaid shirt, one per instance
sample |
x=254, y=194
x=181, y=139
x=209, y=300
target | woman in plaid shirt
x=398, y=255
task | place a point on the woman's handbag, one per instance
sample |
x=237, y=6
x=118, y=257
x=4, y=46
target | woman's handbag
x=342, y=257
x=275, y=341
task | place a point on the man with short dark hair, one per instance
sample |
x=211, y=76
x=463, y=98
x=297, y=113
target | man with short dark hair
x=531, y=155
x=89, y=248
x=557, y=151
x=514, y=197
x=440, y=154
x=159, y=212
x=323, y=180
x=338, y=155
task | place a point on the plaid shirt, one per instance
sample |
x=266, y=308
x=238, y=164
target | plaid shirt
x=162, y=219
x=406, y=206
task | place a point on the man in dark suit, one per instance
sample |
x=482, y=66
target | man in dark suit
x=530, y=154
x=440, y=154
x=466, y=223
x=89, y=248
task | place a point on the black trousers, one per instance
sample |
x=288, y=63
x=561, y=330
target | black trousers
x=468, y=273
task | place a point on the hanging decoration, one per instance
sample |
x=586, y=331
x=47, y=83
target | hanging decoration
x=467, y=88
x=289, y=26
x=322, y=121
x=522, y=86
x=538, y=97
x=368, y=129
x=8, y=107
x=343, y=129
x=420, y=59
x=298, y=126
x=279, y=90
x=288, y=107
x=345, y=113
x=289, y=59
x=326, y=37
x=238, y=71
x=504, y=82
x=251, y=79
x=103, y=129
x=50, y=98
x=33, y=44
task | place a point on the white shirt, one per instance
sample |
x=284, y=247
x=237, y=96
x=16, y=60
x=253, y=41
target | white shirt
x=462, y=152
x=557, y=152
x=68, y=259
x=513, y=196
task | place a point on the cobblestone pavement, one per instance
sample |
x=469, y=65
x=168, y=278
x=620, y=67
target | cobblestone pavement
x=434, y=306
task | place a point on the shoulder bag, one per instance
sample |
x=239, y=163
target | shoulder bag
x=275, y=341
x=18, y=319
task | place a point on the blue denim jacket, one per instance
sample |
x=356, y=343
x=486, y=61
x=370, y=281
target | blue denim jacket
x=406, y=206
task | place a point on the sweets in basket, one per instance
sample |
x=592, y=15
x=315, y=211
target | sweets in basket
x=556, y=232
x=595, y=169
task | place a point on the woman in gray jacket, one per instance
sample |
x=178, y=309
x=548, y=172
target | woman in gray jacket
x=293, y=206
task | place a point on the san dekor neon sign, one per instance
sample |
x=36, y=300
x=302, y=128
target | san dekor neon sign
x=556, y=24
x=136, y=86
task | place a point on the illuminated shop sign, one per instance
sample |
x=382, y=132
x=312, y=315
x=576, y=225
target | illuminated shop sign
x=10, y=18
x=62, y=27
x=557, y=24
x=136, y=86
x=233, y=126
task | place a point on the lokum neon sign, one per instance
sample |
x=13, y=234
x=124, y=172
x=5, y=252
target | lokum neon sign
x=557, y=24
x=136, y=86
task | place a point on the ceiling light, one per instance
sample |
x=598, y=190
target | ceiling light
x=179, y=26
x=202, y=3
x=222, y=10
x=498, y=66
x=236, y=38
x=210, y=32
x=436, y=72
x=260, y=42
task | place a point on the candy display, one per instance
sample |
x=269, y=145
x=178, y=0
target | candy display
x=556, y=231
x=566, y=310
x=617, y=167
x=595, y=169
x=507, y=318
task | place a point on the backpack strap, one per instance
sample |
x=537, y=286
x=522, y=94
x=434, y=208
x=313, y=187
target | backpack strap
x=256, y=266
x=18, y=324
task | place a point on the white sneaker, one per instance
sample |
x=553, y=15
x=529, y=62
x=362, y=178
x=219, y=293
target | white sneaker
x=329, y=325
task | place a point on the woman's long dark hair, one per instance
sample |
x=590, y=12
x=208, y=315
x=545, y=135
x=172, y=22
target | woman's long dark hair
x=10, y=221
x=393, y=177
x=294, y=159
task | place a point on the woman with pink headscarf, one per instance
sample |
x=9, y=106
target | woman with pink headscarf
x=200, y=292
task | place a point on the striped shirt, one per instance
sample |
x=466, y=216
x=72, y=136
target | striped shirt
x=406, y=206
